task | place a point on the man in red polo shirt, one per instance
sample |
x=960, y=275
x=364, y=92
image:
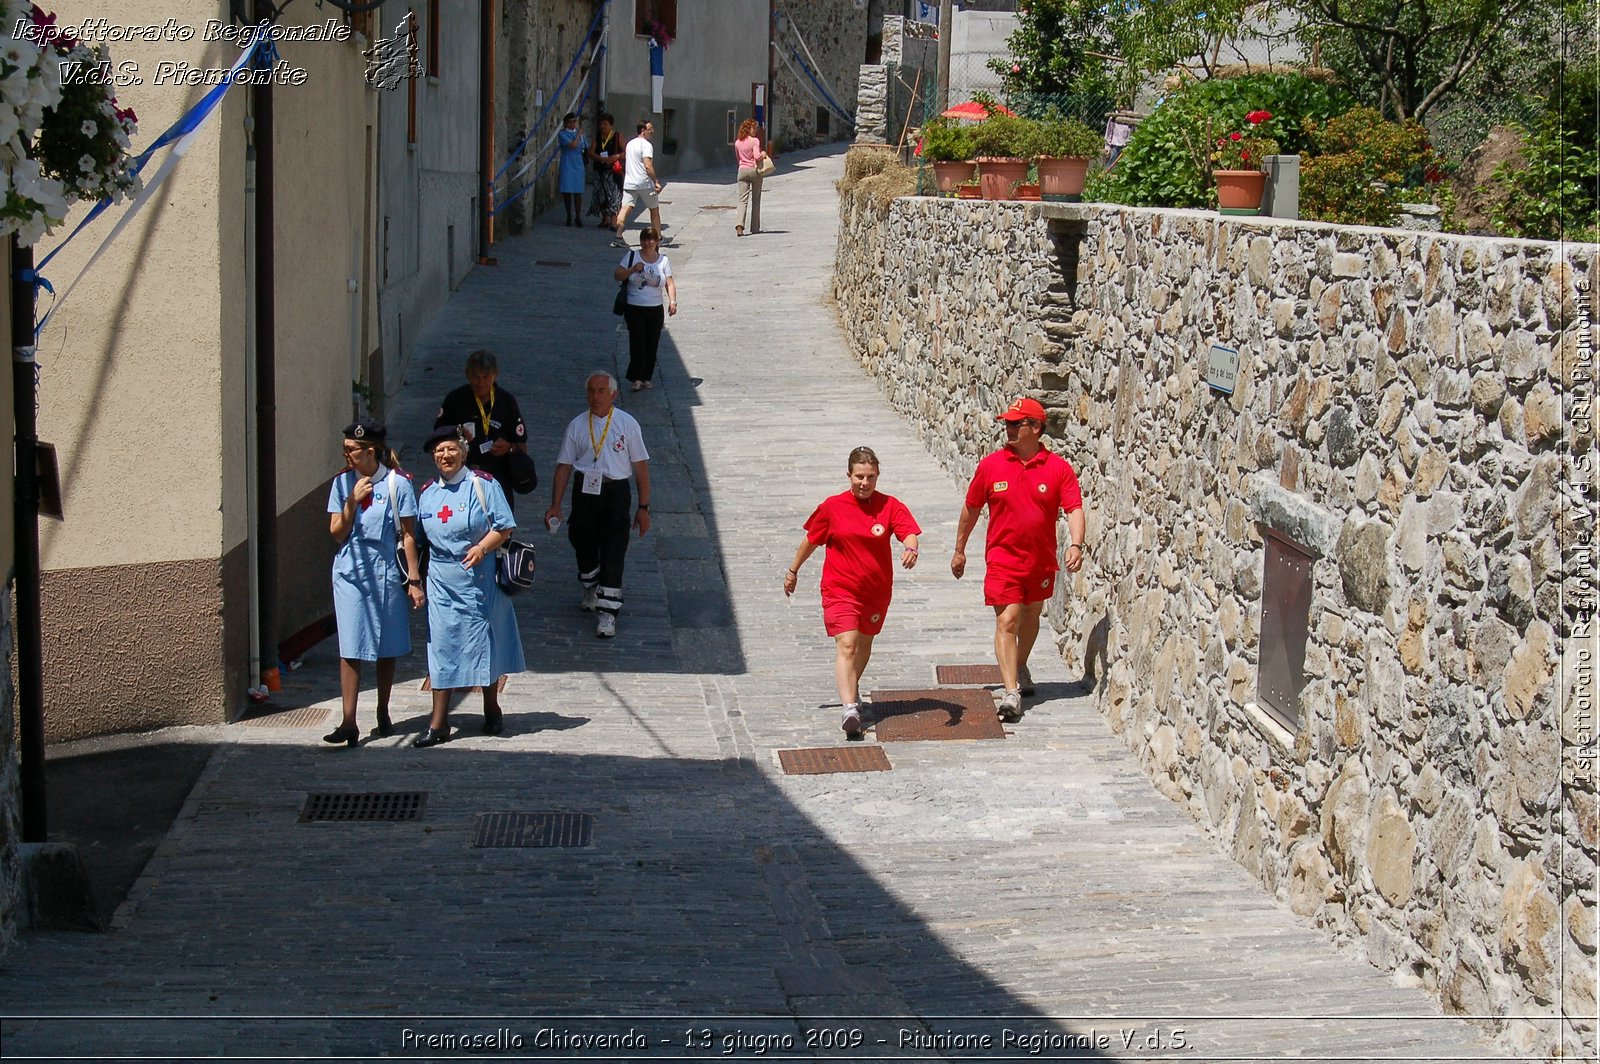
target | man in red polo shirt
x=1025, y=486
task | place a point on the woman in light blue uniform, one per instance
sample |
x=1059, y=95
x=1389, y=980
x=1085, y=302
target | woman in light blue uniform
x=472, y=630
x=572, y=143
x=374, y=509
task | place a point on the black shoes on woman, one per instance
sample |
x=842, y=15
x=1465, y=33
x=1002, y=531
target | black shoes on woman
x=347, y=734
x=432, y=737
x=385, y=727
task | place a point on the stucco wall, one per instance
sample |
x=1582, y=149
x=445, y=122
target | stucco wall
x=144, y=371
x=427, y=223
x=1399, y=410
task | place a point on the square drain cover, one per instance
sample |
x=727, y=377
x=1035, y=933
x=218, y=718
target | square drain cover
x=834, y=759
x=380, y=805
x=309, y=717
x=962, y=713
x=515, y=830
x=964, y=674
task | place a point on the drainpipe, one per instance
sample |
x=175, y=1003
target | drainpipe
x=252, y=472
x=265, y=371
x=485, y=130
x=26, y=623
x=946, y=28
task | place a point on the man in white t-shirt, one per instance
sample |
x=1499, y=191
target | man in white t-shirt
x=601, y=451
x=639, y=185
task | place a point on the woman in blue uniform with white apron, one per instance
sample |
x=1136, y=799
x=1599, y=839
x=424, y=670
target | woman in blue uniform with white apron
x=472, y=630
x=373, y=509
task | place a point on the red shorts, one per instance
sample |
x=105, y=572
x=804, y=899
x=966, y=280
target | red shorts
x=840, y=615
x=1005, y=589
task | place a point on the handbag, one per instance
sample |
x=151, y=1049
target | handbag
x=766, y=166
x=400, y=535
x=620, y=304
x=514, y=563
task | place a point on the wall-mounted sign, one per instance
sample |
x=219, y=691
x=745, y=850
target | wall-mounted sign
x=1222, y=369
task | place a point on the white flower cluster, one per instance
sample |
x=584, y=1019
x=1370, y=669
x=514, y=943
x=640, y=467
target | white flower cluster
x=58, y=142
x=30, y=83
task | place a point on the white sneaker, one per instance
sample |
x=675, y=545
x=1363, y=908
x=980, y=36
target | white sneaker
x=1010, y=708
x=591, y=599
x=605, y=626
x=851, y=721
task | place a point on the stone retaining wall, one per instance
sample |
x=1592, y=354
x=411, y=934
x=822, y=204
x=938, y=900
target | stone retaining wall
x=893, y=94
x=1399, y=414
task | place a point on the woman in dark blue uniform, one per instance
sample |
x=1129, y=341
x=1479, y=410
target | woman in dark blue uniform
x=373, y=509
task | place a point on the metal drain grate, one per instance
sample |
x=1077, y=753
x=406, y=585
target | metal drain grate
x=309, y=717
x=961, y=713
x=374, y=805
x=967, y=674
x=515, y=830
x=552, y=262
x=834, y=759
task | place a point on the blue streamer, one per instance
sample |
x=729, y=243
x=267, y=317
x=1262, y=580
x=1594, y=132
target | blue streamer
x=32, y=277
x=555, y=95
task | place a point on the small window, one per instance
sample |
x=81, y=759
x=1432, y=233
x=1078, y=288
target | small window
x=650, y=14
x=434, y=34
x=1285, y=618
x=822, y=121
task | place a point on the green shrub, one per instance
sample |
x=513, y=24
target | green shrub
x=1058, y=136
x=1002, y=136
x=1165, y=161
x=1359, y=167
x=943, y=141
x=1553, y=195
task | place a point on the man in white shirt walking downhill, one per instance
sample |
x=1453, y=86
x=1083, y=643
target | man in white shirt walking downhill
x=640, y=188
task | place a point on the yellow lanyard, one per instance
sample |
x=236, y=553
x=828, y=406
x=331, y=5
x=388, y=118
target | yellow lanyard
x=482, y=413
x=599, y=444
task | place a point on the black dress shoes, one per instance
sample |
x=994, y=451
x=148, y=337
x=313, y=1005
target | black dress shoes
x=432, y=737
x=347, y=734
x=494, y=725
x=385, y=727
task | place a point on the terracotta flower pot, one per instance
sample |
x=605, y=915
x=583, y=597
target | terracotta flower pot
x=1239, y=191
x=996, y=176
x=969, y=192
x=1061, y=180
x=1028, y=192
x=947, y=175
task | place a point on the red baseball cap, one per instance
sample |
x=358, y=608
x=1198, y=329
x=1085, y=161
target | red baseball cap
x=1024, y=410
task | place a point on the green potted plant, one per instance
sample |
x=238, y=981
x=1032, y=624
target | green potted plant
x=1004, y=147
x=1239, y=166
x=950, y=148
x=1065, y=147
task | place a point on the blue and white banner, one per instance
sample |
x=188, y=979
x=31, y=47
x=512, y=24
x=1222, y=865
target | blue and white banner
x=658, y=66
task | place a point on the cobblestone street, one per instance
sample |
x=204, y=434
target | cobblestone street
x=1030, y=897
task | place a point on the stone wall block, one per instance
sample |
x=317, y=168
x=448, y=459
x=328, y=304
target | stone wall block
x=1362, y=552
x=1529, y=921
x=1344, y=819
x=1528, y=676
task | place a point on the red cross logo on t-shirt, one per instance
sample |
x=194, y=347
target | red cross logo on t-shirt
x=444, y=515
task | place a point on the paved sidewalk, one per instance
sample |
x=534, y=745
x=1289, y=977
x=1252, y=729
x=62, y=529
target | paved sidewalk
x=1034, y=891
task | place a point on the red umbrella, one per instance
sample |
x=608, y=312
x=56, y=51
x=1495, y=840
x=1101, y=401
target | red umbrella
x=975, y=111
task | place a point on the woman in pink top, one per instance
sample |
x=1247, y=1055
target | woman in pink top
x=747, y=149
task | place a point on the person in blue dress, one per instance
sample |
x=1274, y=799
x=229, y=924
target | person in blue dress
x=373, y=509
x=472, y=630
x=572, y=142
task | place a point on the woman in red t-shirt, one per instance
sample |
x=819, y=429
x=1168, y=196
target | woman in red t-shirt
x=857, y=573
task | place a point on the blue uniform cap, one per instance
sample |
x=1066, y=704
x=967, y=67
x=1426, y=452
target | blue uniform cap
x=366, y=430
x=439, y=435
